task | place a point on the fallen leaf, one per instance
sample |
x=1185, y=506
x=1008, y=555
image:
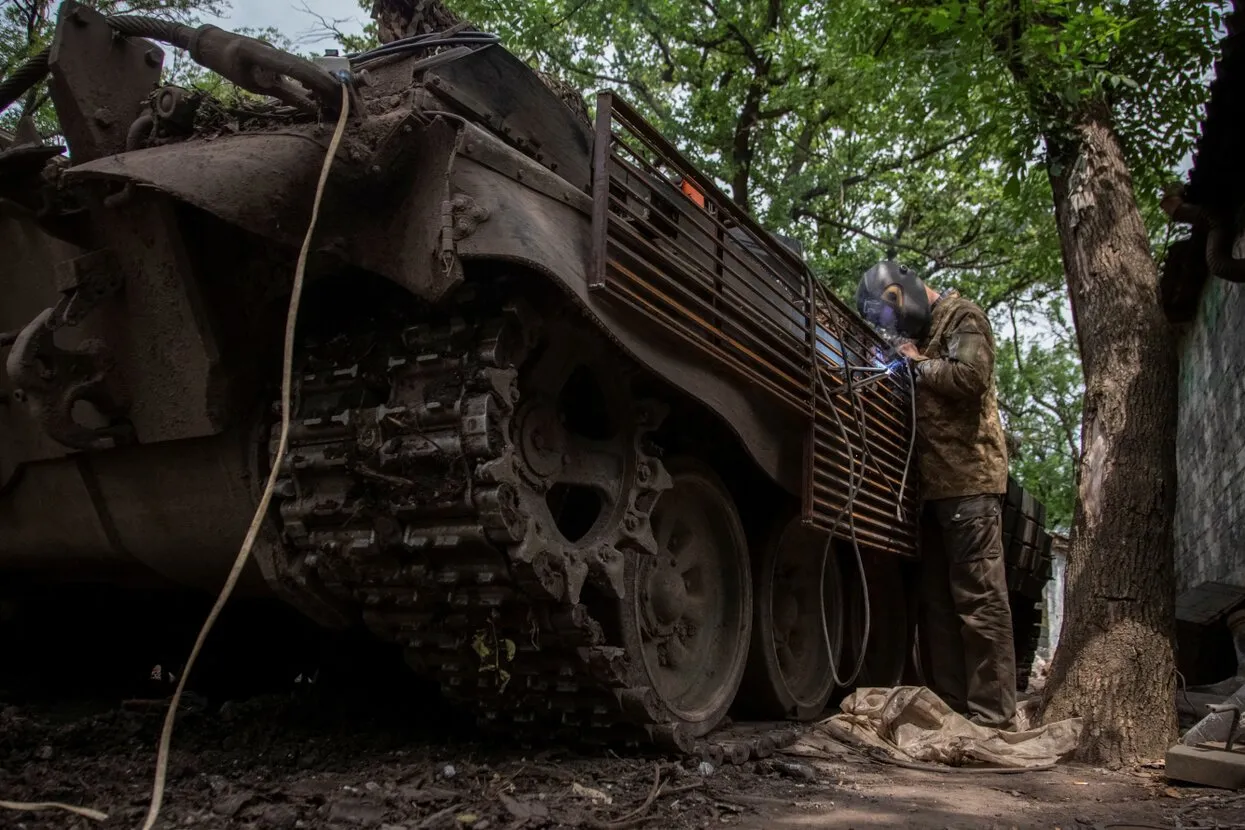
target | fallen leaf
x=426, y=795
x=354, y=811
x=589, y=792
x=524, y=809
x=231, y=804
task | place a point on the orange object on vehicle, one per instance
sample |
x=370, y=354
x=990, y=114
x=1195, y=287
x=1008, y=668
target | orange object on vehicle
x=691, y=192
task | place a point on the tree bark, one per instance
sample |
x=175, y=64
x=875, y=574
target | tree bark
x=405, y=18
x=1115, y=666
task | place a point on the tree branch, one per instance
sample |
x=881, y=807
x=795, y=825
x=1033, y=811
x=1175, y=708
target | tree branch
x=553, y=24
x=742, y=39
x=940, y=261
x=1020, y=367
x=894, y=164
x=803, y=145
x=640, y=88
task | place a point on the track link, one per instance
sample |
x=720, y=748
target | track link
x=401, y=497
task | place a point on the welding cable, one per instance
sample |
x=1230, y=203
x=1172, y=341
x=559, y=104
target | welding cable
x=291, y=320
x=854, y=485
x=907, y=464
x=406, y=46
x=861, y=419
x=859, y=416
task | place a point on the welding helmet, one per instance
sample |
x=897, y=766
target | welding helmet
x=893, y=298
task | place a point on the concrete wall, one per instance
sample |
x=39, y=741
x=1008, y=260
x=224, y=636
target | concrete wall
x=1052, y=602
x=1210, y=448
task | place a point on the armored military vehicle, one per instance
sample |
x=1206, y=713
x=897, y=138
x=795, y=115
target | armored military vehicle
x=591, y=445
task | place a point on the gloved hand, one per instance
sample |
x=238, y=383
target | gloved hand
x=901, y=346
x=908, y=349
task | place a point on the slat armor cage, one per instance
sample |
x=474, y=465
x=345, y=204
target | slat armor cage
x=671, y=245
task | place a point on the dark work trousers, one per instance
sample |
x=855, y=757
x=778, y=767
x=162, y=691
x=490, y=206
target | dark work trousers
x=971, y=659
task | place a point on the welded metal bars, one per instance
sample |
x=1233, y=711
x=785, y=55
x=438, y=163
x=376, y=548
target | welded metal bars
x=669, y=243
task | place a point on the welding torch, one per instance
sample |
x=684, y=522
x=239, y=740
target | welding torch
x=894, y=362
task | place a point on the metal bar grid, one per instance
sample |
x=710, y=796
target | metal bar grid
x=706, y=273
x=670, y=244
x=877, y=420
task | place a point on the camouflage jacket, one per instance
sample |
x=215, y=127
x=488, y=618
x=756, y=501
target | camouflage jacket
x=960, y=445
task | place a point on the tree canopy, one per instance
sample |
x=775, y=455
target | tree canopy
x=870, y=129
x=864, y=129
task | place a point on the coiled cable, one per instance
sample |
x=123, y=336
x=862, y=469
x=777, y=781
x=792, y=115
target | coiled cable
x=854, y=484
x=425, y=41
x=24, y=77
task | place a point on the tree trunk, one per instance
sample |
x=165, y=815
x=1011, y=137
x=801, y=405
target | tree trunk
x=405, y=18
x=1115, y=666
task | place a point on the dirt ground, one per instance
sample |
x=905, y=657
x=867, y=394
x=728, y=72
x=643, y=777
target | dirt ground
x=283, y=762
x=367, y=746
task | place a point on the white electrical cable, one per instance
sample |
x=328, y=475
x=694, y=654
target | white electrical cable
x=38, y=806
x=291, y=320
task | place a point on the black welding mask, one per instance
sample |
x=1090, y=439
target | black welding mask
x=892, y=297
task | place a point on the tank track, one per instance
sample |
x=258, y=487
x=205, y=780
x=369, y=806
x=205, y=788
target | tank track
x=402, y=495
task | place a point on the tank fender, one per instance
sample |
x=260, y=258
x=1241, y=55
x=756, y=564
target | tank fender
x=263, y=182
x=389, y=221
x=538, y=220
x=516, y=210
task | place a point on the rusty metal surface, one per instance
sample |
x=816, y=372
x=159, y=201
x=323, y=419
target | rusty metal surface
x=28, y=289
x=98, y=81
x=712, y=277
x=861, y=441
x=498, y=91
x=262, y=182
x=158, y=328
x=403, y=236
x=679, y=264
x=552, y=241
x=52, y=381
x=175, y=509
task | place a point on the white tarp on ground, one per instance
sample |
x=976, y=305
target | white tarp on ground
x=912, y=724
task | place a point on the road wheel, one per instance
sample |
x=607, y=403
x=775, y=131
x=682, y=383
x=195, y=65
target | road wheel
x=692, y=611
x=789, y=671
x=890, y=623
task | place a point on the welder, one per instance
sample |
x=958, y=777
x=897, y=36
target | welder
x=967, y=648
